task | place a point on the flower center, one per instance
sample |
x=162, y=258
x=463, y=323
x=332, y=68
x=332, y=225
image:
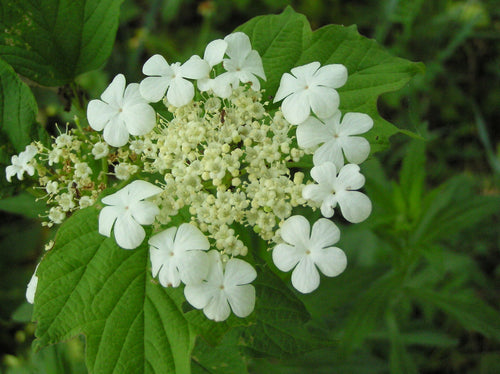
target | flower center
x=308, y=252
x=221, y=286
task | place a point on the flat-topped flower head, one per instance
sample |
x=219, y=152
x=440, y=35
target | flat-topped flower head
x=244, y=63
x=21, y=163
x=306, y=252
x=127, y=211
x=177, y=254
x=225, y=288
x=337, y=137
x=310, y=87
x=121, y=112
x=171, y=79
x=333, y=189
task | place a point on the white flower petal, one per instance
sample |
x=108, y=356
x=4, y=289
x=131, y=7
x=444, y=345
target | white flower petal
x=288, y=85
x=180, y=92
x=316, y=192
x=99, y=113
x=113, y=94
x=334, y=76
x=305, y=277
x=214, y=52
x=139, y=119
x=157, y=65
x=296, y=107
x=195, y=68
x=354, y=205
x=153, y=88
x=140, y=190
x=305, y=73
x=198, y=295
x=355, y=124
x=238, y=46
x=349, y=178
x=159, y=258
x=324, y=101
x=330, y=261
x=295, y=230
x=107, y=217
x=217, y=308
x=286, y=257
x=328, y=205
x=324, y=233
x=193, y=266
x=128, y=233
x=253, y=64
x=356, y=149
x=144, y=212
x=115, y=132
x=241, y=299
x=331, y=151
x=10, y=171
x=325, y=173
x=238, y=272
x=311, y=133
x=189, y=237
x=221, y=85
x=164, y=240
x=169, y=275
x=31, y=287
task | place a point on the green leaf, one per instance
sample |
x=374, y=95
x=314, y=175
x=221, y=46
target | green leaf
x=286, y=40
x=88, y=285
x=412, y=177
x=23, y=204
x=18, y=107
x=53, y=41
x=471, y=312
x=401, y=361
x=280, y=316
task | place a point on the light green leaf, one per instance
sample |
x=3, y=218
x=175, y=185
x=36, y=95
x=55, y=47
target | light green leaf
x=286, y=40
x=88, y=285
x=471, y=312
x=53, y=41
x=18, y=107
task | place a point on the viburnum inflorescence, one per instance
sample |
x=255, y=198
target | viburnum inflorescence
x=220, y=159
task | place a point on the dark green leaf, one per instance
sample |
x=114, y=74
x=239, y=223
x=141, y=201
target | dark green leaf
x=53, y=41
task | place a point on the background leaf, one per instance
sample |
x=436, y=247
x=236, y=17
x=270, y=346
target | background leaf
x=17, y=107
x=53, y=41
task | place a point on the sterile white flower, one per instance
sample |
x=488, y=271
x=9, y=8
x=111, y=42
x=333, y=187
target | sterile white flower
x=120, y=112
x=177, y=254
x=243, y=65
x=21, y=163
x=310, y=87
x=31, y=287
x=332, y=189
x=127, y=211
x=171, y=79
x=225, y=288
x=337, y=137
x=214, y=53
x=309, y=251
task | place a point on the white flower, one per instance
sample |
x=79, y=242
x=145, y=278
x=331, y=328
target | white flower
x=82, y=170
x=127, y=212
x=21, y=163
x=332, y=189
x=307, y=252
x=224, y=289
x=214, y=53
x=31, y=287
x=337, y=138
x=310, y=87
x=56, y=215
x=177, y=254
x=120, y=112
x=100, y=150
x=163, y=77
x=85, y=201
x=243, y=65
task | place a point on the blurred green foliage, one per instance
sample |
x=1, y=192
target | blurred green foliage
x=421, y=291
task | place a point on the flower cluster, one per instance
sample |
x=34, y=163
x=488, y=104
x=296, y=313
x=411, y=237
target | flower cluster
x=221, y=159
